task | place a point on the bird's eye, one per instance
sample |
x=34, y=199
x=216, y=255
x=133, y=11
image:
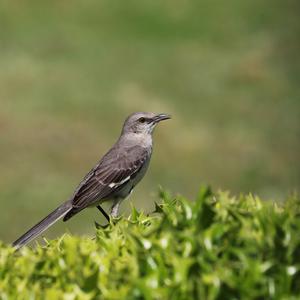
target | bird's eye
x=142, y=120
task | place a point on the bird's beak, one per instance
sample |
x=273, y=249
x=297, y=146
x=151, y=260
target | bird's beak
x=161, y=117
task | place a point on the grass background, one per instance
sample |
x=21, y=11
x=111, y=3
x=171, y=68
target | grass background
x=70, y=73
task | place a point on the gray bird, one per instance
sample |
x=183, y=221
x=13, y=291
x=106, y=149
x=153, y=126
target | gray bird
x=114, y=176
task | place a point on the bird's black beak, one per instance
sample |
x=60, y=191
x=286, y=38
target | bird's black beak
x=161, y=117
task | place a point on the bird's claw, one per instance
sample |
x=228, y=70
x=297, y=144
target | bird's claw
x=99, y=226
x=114, y=219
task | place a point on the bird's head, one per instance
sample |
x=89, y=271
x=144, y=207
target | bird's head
x=143, y=122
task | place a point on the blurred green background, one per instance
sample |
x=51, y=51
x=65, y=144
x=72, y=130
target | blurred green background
x=70, y=72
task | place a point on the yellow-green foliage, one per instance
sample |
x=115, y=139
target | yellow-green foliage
x=217, y=247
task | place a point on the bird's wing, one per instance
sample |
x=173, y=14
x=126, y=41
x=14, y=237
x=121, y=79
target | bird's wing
x=114, y=170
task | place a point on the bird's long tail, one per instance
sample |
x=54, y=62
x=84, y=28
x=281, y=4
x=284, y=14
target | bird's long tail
x=44, y=224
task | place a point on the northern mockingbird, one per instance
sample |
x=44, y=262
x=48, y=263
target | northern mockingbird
x=113, y=178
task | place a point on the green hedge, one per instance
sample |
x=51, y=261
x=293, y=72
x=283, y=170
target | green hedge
x=217, y=247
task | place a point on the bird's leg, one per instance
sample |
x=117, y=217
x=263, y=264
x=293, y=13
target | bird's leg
x=103, y=212
x=114, y=212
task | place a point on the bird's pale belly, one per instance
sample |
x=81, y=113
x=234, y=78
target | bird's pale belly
x=127, y=189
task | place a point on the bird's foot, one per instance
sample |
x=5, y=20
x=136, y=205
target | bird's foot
x=112, y=220
x=99, y=226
